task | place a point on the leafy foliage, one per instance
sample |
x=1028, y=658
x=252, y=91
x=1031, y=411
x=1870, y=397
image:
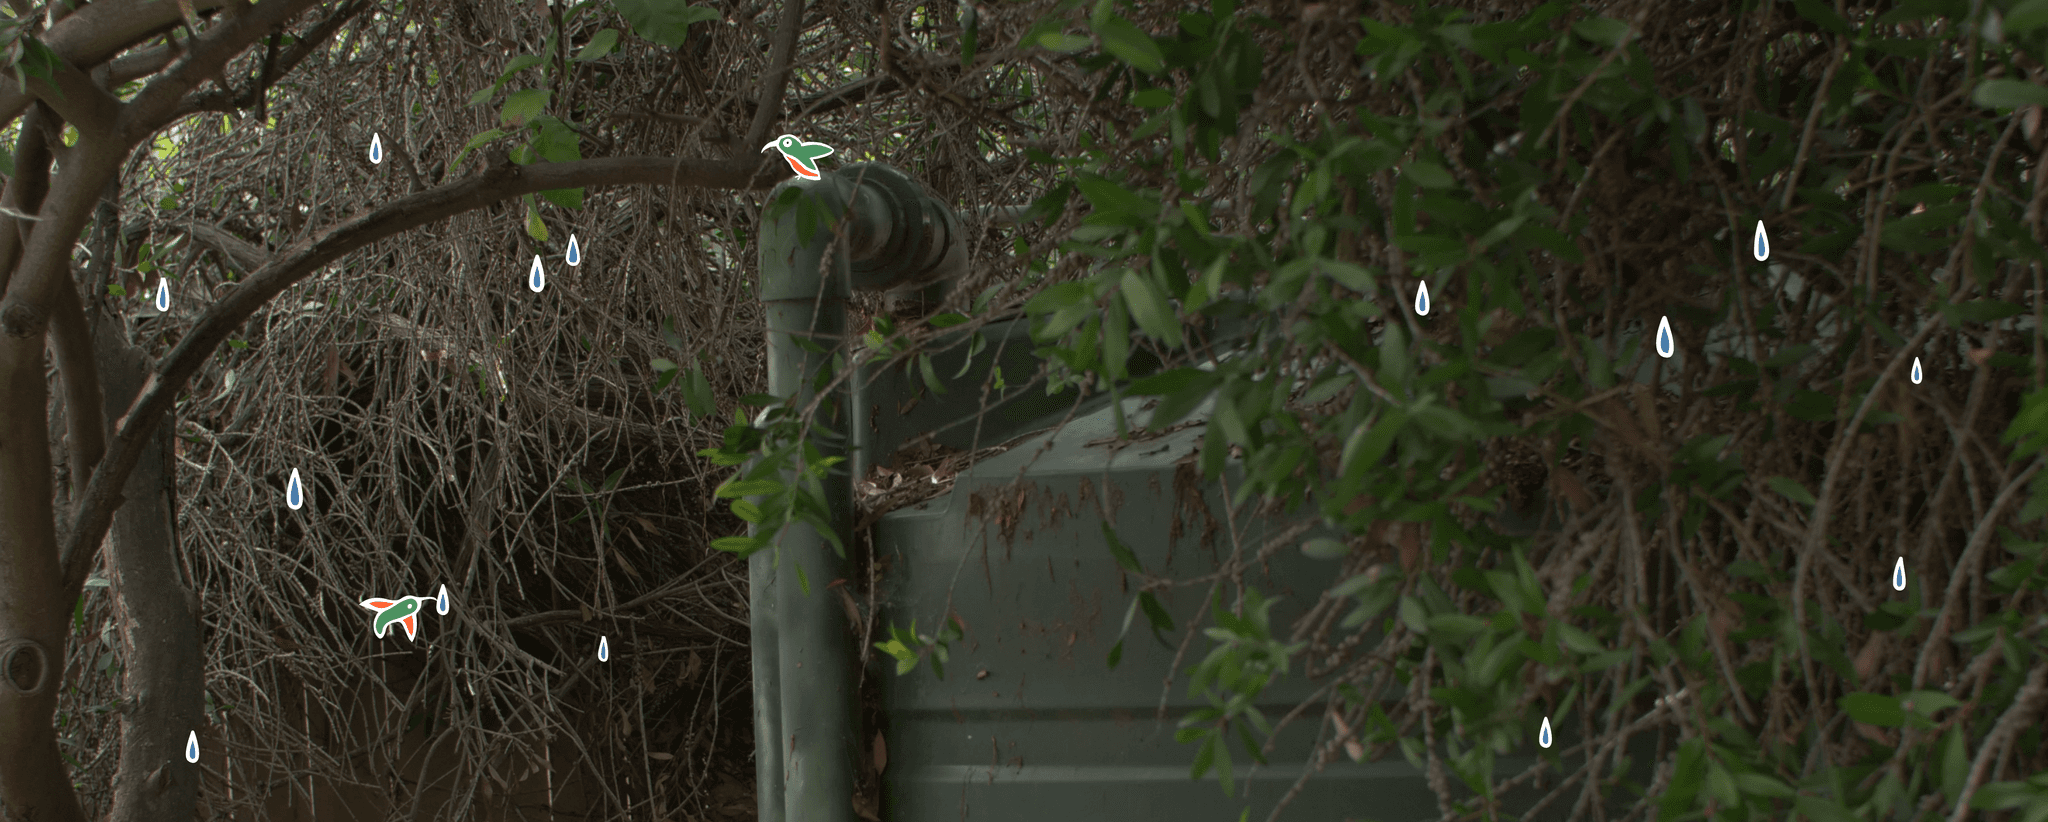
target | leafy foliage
x=1709, y=557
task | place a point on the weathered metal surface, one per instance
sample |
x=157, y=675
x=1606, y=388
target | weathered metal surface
x=1030, y=723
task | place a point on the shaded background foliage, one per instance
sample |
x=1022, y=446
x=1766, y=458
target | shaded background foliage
x=1541, y=517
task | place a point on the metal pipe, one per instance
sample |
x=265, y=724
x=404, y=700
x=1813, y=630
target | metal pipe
x=865, y=226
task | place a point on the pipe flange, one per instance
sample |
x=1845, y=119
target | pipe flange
x=900, y=254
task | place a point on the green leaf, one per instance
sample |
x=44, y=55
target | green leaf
x=1121, y=552
x=519, y=64
x=1605, y=31
x=748, y=488
x=666, y=22
x=1756, y=784
x=1114, y=202
x=475, y=142
x=738, y=545
x=1926, y=703
x=747, y=511
x=600, y=45
x=1874, y=709
x=1325, y=548
x=1150, y=309
x=1057, y=41
x=1792, y=490
x=1429, y=175
x=523, y=105
x=2001, y=93
x=1981, y=311
x=1162, y=623
x=1147, y=98
x=697, y=393
x=1821, y=809
x=556, y=142
x=1130, y=44
x=2025, y=17
x=534, y=227
x=1367, y=446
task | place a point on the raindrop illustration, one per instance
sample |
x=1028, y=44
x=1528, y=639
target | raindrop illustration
x=163, y=294
x=538, y=278
x=1422, y=299
x=441, y=602
x=376, y=148
x=1543, y=734
x=192, y=748
x=1761, y=247
x=294, y=491
x=604, y=649
x=1899, y=575
x=1666, y=346
x=1916, y=370
x=575, y=251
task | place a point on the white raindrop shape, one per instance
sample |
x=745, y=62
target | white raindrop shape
x=376, y=148
x=294, y=491
x=537, y=279
x=1761, y=245
x=1666, y=345
x=163, y=294
x=1543, y=733
x=575, y=256
x=604, y=649
x=1899, y=575
x=192, y=748
x=441, y=602
x=1422, y=300
x=1916, y=370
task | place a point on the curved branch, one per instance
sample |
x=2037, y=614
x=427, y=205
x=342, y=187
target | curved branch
x=502, y=181
x=76, y=98
x=770, y=108
x=205, y=57
x=275, y=67
x=97, y=32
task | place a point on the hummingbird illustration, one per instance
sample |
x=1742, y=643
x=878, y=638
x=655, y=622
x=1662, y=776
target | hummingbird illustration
x=802, y=156
x=403, y=611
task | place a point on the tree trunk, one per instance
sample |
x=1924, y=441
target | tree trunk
x=163, y=693
x=34, y=611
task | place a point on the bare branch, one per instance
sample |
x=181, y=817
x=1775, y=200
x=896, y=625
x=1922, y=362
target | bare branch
x=81, y=102
x=204, y=58
x=95, y=34
x=85, y=414
x=25, y=190
x=245, y=255
x=770, y=108
x=274, y=66
x=94, y=510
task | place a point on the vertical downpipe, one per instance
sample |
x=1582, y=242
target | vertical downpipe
x=866, y=226
x=806, y=745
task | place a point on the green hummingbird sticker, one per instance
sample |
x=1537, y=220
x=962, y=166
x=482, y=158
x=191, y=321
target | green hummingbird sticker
x=403, y=612
x=802, y=156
